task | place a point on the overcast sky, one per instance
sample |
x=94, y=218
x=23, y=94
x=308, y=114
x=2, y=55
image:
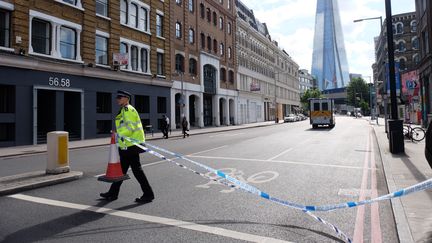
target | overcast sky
x=291, y=23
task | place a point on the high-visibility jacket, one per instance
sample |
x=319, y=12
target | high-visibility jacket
x=128, y=124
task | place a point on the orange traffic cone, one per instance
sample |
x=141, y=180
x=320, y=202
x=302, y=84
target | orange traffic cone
x=114, y=171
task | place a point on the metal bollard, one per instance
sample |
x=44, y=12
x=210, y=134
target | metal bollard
x=57, y=152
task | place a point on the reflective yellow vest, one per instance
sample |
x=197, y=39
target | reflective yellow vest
x=128, y=124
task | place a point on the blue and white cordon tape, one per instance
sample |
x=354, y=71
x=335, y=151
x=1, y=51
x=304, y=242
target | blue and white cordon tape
x=425, y=185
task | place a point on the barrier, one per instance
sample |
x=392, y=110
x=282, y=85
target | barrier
x=57, y=152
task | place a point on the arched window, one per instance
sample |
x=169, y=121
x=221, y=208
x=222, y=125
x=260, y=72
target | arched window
x=191, y=36
x=144, y=60
x=415, y=43
x=191, y=6
x=223, y=74
x=229, y=52
x=202, y=41
x=178, y=30
x=214, y=18
x=179, y=63
x=221, y=49
x=192, y=66
x=124, y=12
x=401, y=46
x=208, y=15
x=416, y=58
x=414, y=26
x=215, y=46
x=209, y=42
x=221, y=23
x=231, y=76
x=202, y=12
x=229, y=28
x=134, y=15
x=399, y=28
x=134, y=58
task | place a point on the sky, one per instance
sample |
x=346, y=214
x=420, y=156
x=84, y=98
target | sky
x=292, y=22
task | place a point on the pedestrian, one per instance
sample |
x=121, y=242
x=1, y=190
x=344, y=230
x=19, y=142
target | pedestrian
x=165, y=126
x=185, y=125
x=428, y=145
x=128, y=124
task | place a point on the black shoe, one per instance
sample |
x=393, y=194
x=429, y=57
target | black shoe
x=188, y=134
x=144, y=199
x=108, y=196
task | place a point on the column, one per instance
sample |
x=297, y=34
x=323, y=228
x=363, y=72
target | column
x=200, y=114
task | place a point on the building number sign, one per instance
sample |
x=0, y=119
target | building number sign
x=59, y=82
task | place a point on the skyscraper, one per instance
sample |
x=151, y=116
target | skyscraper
x=329, y=62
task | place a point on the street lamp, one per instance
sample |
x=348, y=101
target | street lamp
x=381, y=28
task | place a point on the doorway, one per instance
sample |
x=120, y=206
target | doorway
x=208, y=110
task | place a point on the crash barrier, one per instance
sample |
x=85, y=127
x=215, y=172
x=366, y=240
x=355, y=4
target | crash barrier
x=425, y=185
x=57, y=152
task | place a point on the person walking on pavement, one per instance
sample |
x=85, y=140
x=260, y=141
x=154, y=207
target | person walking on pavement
x=128, y=124
x=165, y=126
x=185, y=125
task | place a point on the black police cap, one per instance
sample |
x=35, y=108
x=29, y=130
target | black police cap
x=122, y=93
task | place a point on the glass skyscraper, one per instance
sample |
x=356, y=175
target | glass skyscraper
x=329, y=62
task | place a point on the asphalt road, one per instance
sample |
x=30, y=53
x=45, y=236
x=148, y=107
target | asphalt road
x=289, y=161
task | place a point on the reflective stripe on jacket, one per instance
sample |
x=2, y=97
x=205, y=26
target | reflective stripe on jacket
x=128, y=124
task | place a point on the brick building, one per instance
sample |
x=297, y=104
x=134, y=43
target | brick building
x=58, y=73
x=203, y=62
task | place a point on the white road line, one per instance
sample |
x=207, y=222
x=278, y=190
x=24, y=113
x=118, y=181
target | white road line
x=286, y=151
x=208, y=150
x=283, y=162
x=226, y=135
x=148, y=218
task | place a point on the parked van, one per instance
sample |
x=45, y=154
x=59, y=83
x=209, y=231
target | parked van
x=321, y=112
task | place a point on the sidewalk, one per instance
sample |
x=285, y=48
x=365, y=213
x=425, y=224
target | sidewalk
x=413, y=213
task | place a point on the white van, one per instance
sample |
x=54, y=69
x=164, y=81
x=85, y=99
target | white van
x=321, y=112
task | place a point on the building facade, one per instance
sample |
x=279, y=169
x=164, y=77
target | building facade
x=329, y=61
x=424, y=31
x=267, y=76
x=406, y=54
x=203, y=62
x=65, y=60
x=306, y=81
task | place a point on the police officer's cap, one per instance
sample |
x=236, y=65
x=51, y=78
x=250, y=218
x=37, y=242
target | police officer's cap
x=122, y=93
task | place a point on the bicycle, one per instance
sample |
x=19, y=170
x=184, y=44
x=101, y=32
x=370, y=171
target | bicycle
x=414, y=133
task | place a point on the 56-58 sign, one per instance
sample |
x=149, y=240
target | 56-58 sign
x=59, y=82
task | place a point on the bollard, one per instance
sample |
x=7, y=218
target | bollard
x=57, y=152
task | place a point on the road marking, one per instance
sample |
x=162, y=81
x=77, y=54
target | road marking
x=149, y=218
x=225, y=135
x=208, y=150
x=279, y=161
x=359, y=222
x=286, y=151
x=376, y=234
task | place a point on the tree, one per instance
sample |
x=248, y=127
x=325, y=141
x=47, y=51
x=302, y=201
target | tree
x=310, y=93
x=358, y=94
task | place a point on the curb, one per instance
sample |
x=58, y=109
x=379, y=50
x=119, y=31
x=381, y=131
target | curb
x=402, y=226
x=32, y=180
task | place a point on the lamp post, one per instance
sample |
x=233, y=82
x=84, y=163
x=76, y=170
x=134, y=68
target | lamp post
x=375, y=100
x=275, y=104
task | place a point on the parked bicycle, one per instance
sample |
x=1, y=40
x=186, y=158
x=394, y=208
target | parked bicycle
x=413, y=133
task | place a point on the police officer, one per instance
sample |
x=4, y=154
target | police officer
x=128, y=124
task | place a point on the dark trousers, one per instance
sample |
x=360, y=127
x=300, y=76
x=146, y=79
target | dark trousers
x=130, y=157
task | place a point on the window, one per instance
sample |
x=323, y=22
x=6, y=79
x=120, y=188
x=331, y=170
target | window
x=228, y=4
x=316, y=106
x=231, y=76
x=415, y=43
x=208, y=15
x=402, y=64
x=134, y=15
x=221, y=24
x=134, y=58
x=144, y=60
x=178, y=2
x=178, y=30
x=223, y=74
x=202, y=12
x=179, y=63
x=143, y=18
x=229, y=28
x=221, y=49
x=67, y=43
x=102, y=7
x=192, y=66
x=159, y=25
x=160, y=64
x=202, y=41
x=191, y=36
x=7, y=98
x=215, y=46
x=401, y=46
x=123, y=12
x=4, y=28
x=103, y=102
x=142, y=103
x=209, y=43
x=214, y=19
x=399, y=28
x=191, y=6
x=416, y=58
x=325, y=106
x=101, y=50
x=41, y=36
x=124, y=50
x=161, y=105
x=414, y=26
x=229, y=52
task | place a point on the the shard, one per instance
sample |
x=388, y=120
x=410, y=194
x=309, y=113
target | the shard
x=329, y=62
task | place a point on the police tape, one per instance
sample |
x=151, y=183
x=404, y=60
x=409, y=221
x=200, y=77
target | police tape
x=236, y=183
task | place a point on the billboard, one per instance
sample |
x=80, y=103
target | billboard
x=410, y=85
x=397, y=78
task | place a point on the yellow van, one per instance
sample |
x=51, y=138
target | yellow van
x=321, y=112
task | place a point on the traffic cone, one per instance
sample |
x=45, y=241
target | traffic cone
x=114, y=171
